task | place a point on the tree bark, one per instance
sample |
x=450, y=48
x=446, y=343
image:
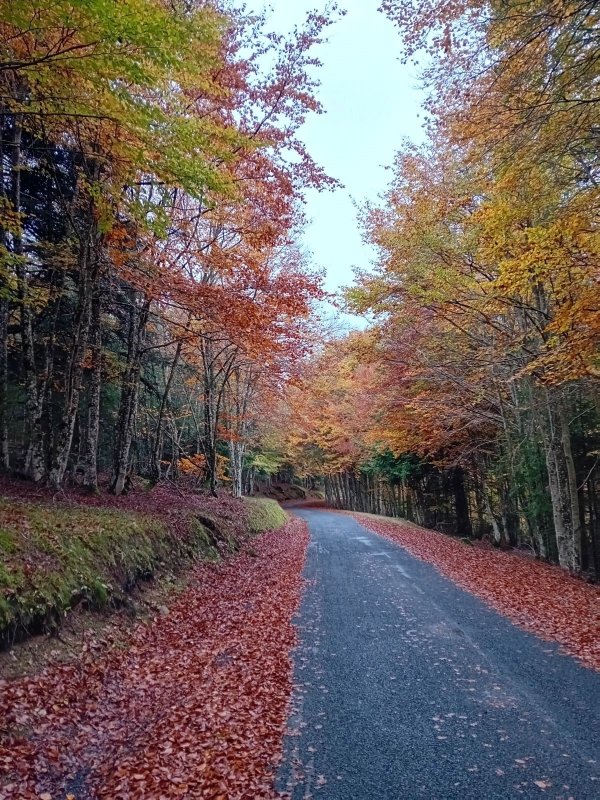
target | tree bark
x=88, y=263
x=157, y=444
x=461, y=504
x=236, y=458
x=4, y=317
x=129, y=393
x=4, y=449
x=562, y=483
x=92, y=429
x=34, y=467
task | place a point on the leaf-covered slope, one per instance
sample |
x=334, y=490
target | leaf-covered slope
x=91, y=549
x=54, y=557
x=264, y=514
x=195, y=707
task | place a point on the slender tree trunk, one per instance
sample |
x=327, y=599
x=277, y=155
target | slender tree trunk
x=35, y=467
x=498, y=534
x=210, y=417
x=4, y=450
x=461, y=503
x=236, y=456
x=562, y=483
x=4, y=316
x=92, y=428
x=157, y=445
x=129, y=394
x=210, y=444
x=593, y=531
x=73, y=379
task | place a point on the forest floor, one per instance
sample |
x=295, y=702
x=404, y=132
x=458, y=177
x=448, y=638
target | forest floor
x=189, y=702
x=85, y=567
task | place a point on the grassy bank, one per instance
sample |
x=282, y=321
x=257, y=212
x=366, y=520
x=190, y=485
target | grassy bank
x=53, y=558
x=264, y=514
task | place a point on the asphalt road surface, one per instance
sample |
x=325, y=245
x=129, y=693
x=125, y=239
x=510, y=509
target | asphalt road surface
x=409, y=687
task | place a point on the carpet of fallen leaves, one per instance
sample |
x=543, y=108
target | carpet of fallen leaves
x=195, y=707
x=540, y=597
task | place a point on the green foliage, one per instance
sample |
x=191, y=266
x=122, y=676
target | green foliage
x=54, y=558
x=265, y=462
x=264, y=514
x=528, y=468
x=130, y=67
x=393, y=469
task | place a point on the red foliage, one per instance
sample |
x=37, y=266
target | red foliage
x=540, y=597
x=195, y=707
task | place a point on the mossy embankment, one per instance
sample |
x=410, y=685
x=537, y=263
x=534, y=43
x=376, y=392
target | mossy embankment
x=58, y=556
x=264, y=514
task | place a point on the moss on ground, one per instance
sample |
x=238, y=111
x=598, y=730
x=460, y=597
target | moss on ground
x=264, y=514
x=53, y=558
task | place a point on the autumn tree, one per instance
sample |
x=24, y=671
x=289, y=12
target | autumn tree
x=480, y=413
x=146, y=215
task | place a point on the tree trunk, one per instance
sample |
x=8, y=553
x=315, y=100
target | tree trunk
x=562, y=483
x=4, y=451
x=129, y=394
x=73, y=379
x=210, y=445
x=92, y=430
x=4, y=317
x=461, y=503
x=35, y=467
x=210, y=417
x=236, y=458
x=157, y=445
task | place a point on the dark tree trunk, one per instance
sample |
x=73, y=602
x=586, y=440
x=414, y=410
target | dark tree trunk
x=129, y=394
x=35, y=466
x=4, y=316
x=461, y=503
x=158, y=439
x=562, y=484
x=4, y=451
x=92, y=427
x=88, y=263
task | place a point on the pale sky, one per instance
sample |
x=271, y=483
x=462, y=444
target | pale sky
x=372, y=102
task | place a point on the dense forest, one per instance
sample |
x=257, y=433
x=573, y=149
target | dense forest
x=158, y=317
x=470, y=404
x=152, y=294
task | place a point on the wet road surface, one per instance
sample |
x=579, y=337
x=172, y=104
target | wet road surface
x=409, y=687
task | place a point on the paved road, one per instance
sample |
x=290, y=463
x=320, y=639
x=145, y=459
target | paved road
x=409, y=687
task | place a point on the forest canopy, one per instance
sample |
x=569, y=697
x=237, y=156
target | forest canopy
x=151, y=288
x=158, y=316
x=470, y=404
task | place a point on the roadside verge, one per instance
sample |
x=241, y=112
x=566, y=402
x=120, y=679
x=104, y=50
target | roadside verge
x=539, y=597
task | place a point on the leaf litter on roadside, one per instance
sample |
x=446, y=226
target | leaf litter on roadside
x=540, y=597
x=196, y=706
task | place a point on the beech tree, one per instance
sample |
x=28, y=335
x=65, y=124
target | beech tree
x=146, y=215
x=470, y=404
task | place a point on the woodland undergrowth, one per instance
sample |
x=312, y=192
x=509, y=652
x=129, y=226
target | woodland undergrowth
x=195, y=706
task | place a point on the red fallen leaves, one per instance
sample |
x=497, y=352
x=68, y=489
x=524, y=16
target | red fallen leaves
x=194, y=708
x=537, y=596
